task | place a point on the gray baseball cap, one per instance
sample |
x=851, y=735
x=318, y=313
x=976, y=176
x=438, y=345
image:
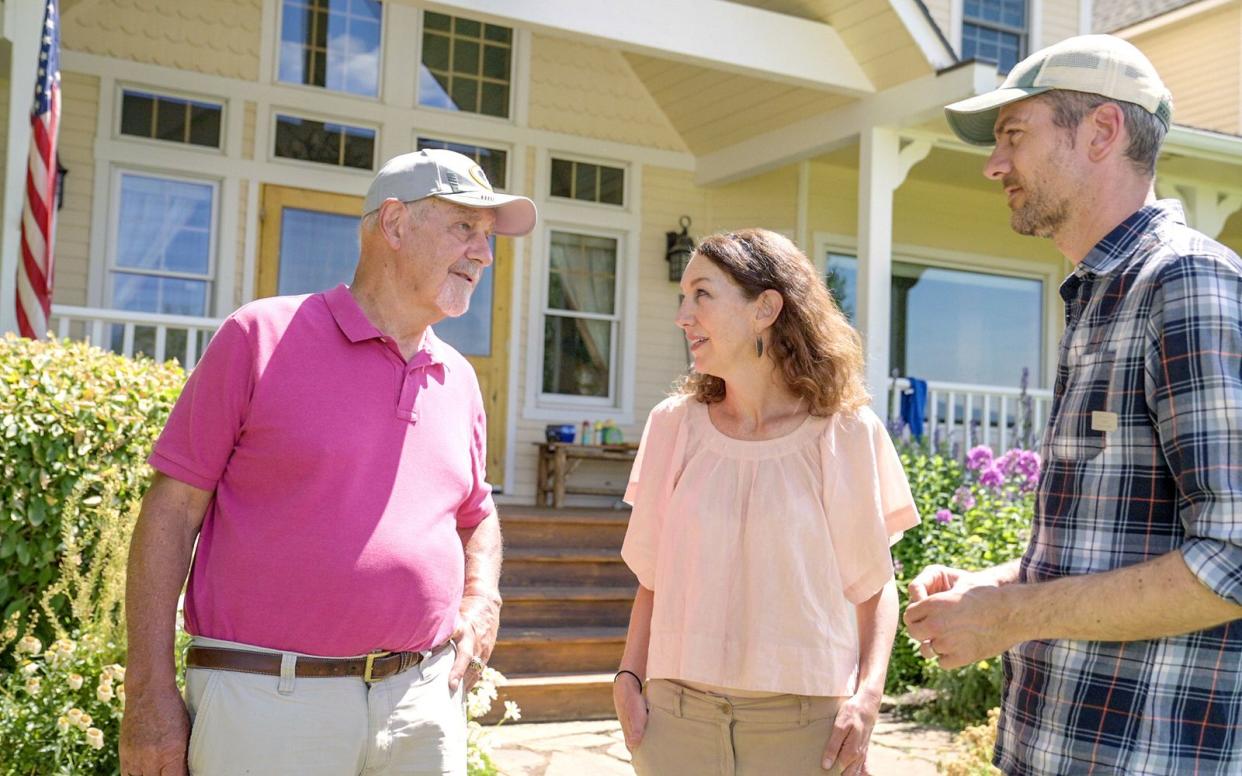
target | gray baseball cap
x=453, y=177
x=1097, y=64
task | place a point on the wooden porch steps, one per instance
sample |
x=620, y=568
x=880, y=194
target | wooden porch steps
x=567, y=597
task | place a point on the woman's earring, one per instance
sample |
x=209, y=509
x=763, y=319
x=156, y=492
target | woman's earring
x=759, y=347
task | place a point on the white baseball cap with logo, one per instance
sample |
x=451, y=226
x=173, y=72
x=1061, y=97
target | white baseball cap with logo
x=1097, y=64
x=453, y=177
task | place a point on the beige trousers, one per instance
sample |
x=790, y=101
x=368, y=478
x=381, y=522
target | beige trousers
x=692, y=733
x=254, y=724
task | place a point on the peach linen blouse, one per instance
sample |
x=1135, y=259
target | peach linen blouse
x=758, y=550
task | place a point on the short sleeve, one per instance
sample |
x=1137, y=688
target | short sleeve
x=867, y=501
x=650, y=487
x=206, y=422
x=478, y=502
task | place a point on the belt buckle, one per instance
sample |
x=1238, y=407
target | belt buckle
x=366, y=673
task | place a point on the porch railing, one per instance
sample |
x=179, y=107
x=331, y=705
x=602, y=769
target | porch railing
x=161, y=337
x=959, y=416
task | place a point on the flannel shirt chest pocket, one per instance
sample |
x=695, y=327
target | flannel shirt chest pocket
x=1082, y=425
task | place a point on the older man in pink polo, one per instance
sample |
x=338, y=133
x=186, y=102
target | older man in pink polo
x=327, y=455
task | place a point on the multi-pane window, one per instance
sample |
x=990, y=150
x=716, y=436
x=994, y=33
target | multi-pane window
x=994, y=30
x=325, y=142
x=162, y=258
x=331, y=43
x=466, y=65
x=161, y=117
x=493, y=160
x=580, y=319
x=588, y=182
x=955, y=325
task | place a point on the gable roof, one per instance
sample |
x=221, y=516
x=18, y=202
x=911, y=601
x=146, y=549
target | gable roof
x=1112, y=15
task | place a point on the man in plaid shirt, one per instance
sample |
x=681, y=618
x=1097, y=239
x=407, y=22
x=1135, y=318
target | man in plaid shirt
x=1123, y=649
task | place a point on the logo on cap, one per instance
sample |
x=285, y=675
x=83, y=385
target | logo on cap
x=476, y=174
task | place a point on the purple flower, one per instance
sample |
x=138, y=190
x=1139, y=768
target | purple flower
x=980, y=456
x=943, y=516
x=992, y=477
x=963, y=498
x=1030, y=483
x=1008, y=462
x=1029, y=464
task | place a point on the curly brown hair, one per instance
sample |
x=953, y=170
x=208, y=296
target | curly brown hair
x=815, y=348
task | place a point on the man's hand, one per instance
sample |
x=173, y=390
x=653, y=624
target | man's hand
x=935, y=579
x=631, y=710
x=969, y=621
x=155, y=733
x=475, y=636
x=851, y=734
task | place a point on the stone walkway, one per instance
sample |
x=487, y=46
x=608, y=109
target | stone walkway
x=898, y=748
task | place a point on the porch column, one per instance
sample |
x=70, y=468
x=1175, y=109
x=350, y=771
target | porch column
x=1208, y=206
x=19, y=51
x=883, y=163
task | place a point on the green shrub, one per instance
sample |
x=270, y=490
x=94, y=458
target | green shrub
x=975, y=515
x=76, y=426
x=972, y=750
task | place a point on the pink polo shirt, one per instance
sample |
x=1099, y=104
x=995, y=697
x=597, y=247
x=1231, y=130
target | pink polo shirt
x=341, y=474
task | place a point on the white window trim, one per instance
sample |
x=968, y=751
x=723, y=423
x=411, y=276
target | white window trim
x=450, y=137
x=114, y=213
x=616, y=319
x=271, y=157
x=379, y=74
x=1031, y=37
x=598, y=162
x=515, y=41
x=176, y=94
x=1046, y=272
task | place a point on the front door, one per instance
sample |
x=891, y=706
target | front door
x=309, y=243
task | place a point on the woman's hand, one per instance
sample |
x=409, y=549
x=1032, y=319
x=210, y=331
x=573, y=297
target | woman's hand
x=631, y=709
x=851, y=734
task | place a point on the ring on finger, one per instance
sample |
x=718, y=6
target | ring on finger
x=476, y=664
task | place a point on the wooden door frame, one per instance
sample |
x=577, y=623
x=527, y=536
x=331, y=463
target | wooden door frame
x=275, y=198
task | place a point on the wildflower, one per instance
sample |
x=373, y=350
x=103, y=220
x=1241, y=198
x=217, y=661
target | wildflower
x=964, y=498
x=104, y=692
x=75, y=681
x=94, y=737
x=75, y=717
x=28, y=645
x=84, y=721
x=512, y=711
x=1029, y=464
x=120, y=694
x=992, y=477
x=29, y=669
x=33, y=685
x=62, y=724
x=1007, y=462
x=118, y=672
x=477, y=705
x=979, y=457
x=944, y=516
x=983, y=665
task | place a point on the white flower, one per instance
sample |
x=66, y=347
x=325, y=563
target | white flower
x=104, y=692
x=75, y=681
x=94, y=737
x=75, y=717
x=29, y=669
x=120, y=694
x=477, y=706
x=512, y=711
x=62, y=724
x=29, y=645
x=33, y=686
x=84, y=721
x=118, y=672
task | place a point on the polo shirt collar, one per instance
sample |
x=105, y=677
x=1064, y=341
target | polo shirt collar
x=356, y=327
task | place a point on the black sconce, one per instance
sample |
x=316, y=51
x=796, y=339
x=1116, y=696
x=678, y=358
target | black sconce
x=61, y=174
x=680, y=249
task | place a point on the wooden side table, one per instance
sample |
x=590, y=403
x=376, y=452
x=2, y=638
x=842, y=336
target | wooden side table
x=557, y=460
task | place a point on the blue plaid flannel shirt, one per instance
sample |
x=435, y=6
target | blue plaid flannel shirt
x=1142, y=456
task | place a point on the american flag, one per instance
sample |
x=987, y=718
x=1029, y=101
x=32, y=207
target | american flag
x=34, y=272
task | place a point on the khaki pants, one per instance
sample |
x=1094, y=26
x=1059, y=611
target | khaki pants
x=692, y=733
x=254, y=724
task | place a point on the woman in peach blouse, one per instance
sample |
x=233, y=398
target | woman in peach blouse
x=766, y=496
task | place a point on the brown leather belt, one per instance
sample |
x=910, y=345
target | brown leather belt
x=372, y=668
